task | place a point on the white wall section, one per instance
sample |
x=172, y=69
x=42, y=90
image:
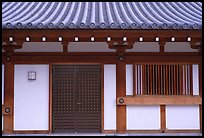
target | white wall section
x=89, y=47
x=144, y=47
x=178, y=47
x=143, y=117
x=41, y=47
x=31, y=98
x=196, y=79
x=129, y=79
x=110, y=97
x=182, y=117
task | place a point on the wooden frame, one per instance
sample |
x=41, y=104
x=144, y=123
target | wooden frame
x=160, y=100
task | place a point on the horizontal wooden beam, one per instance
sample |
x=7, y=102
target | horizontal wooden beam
x=159, y=100
x=100, y=35
x=108, y=59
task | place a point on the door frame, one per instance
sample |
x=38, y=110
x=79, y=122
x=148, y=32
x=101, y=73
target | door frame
x=50, y=92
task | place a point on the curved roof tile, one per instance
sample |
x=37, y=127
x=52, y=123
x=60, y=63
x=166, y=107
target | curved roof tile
x=102, y=15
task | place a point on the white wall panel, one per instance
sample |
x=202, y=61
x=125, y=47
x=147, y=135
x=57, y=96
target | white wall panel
x=41, y=47
x=182, y=117
x=144, y=47
x=129, y=79
x=89, y=47
x=110, y=97
x=178, y=47
x=31, y=98
x=143, y=117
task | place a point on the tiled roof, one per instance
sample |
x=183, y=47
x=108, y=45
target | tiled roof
x=102, y=15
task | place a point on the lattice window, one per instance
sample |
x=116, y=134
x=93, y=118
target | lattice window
x=171, y=79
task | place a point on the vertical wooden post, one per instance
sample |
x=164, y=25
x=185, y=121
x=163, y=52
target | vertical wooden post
x=8, y=124
x=163, y=118
x=120, y=91
x=200, y=93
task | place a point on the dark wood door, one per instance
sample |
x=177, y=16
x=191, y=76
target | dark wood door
x=76, y=98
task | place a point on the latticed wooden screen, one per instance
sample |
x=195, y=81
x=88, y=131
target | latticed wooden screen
x=76, y=98
x=171, y=79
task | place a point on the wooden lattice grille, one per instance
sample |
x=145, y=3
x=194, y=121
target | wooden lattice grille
x=171, y=79
x=76, y=98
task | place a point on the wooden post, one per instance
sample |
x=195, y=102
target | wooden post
x=163, y=118
x=120, y=91
x=8, y=124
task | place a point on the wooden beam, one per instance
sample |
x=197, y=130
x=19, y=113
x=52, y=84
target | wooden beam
x=160, y=100
x=8, y=124
x=163, y=118
x=200, y=116
x=28, y=58
x=120, y=92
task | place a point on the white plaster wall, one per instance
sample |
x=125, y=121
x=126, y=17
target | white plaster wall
x=41, y=47
x=129, y=79
x=2, y=91
x=89, y=47
x=144, y=47
x=182, y=117
x=178, y=47
x=195, y=80
x=143, y=117
x=31, y=98
x=110, y=97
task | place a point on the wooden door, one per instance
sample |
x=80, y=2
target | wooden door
x=76, y=101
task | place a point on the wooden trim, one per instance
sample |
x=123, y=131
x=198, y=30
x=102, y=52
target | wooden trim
x=108, y=131
x=8, y=124
x=183, y=131
x=102, y=98
x=120, y=91
x=150, y=79
x=134, y=79
x=191, y=79
x=163, y=117
x=200, y=116
x=144, y=79
x=160, y=100
x=200, y=79
x=50, y=98
x=159, y=80
x=31, y=131
x=167, y=80
x=63, y=58
x=174, y=79
x=181, y=79
x=143, y=131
